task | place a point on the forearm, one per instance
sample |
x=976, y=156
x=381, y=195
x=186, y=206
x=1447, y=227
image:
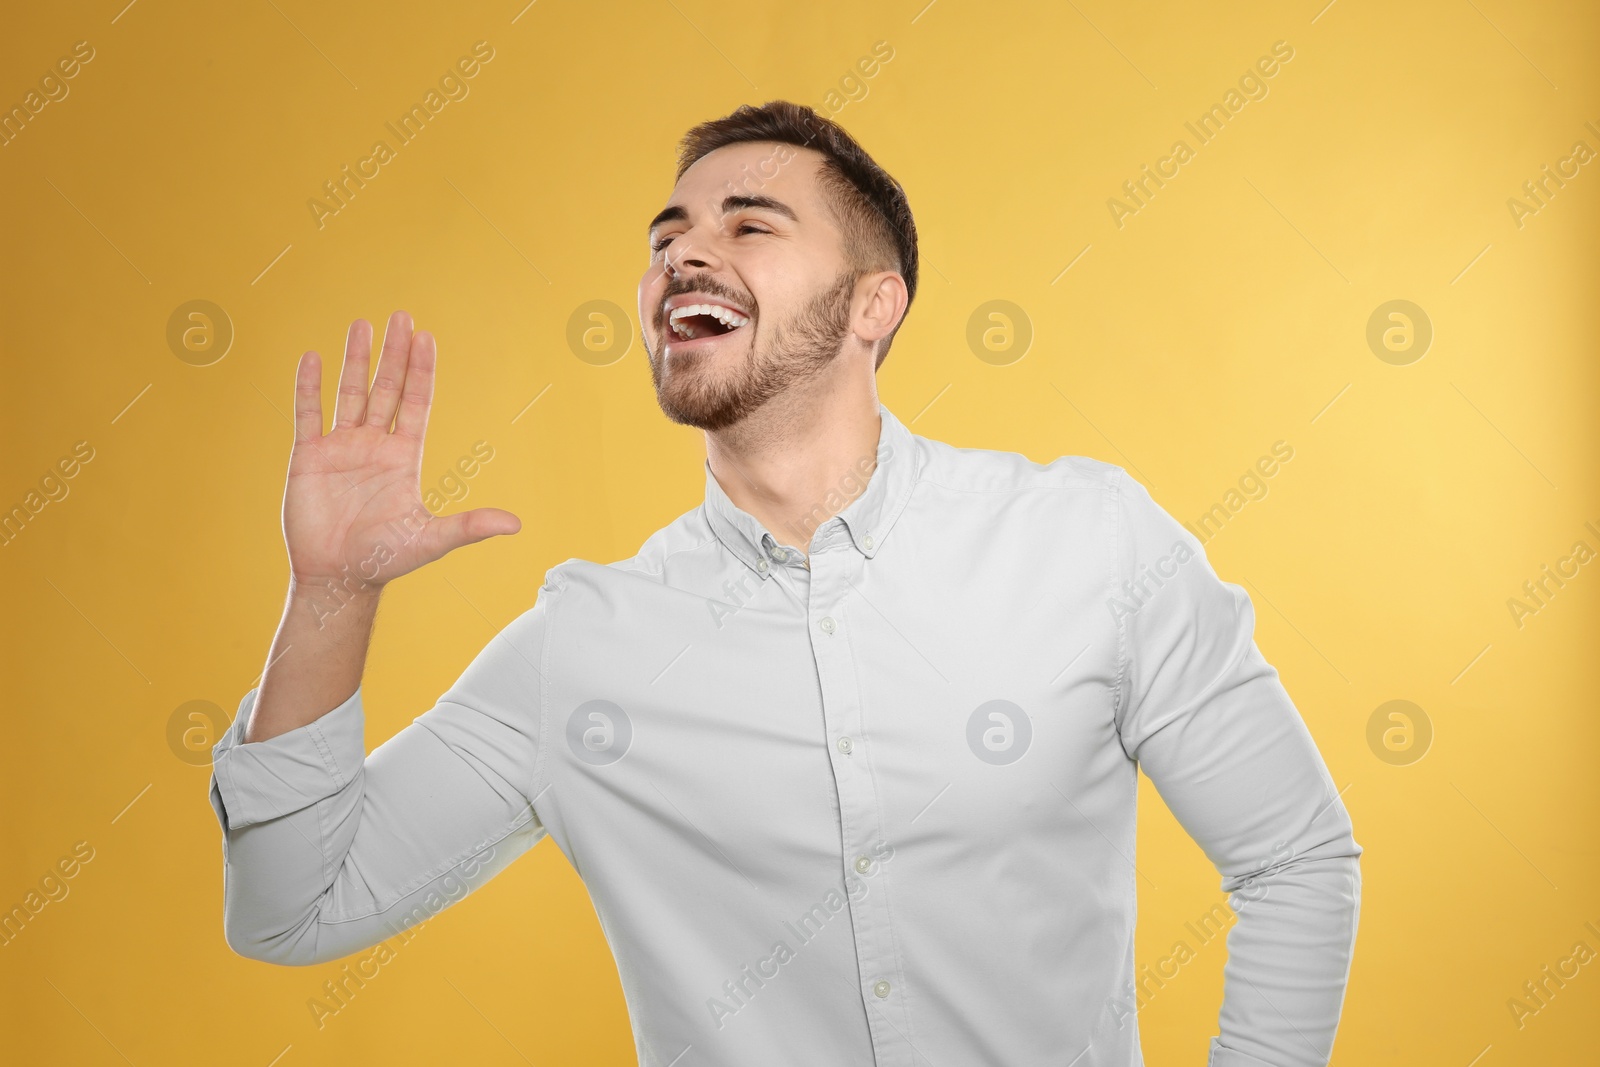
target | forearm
x=1289, y=960
x=317, y=657
x=326, y=853
x=327, y=849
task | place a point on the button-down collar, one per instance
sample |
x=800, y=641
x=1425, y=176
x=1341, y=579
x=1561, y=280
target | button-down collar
x=868, y=518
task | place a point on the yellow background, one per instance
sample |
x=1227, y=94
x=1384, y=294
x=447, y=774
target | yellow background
x=1227, y=314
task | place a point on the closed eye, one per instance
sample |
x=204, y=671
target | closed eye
x=743, y=226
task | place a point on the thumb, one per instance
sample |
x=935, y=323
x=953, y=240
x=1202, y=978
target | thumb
x=449, y=532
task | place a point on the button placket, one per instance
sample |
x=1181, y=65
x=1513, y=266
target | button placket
x=833, y=573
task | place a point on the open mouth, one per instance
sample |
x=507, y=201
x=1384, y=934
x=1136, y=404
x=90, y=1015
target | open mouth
x=694, y=322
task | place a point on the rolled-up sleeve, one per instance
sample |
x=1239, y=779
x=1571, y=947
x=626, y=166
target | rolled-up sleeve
x=328, y=850
x=1210, y=723
x=254, y=782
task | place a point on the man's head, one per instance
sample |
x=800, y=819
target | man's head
x=804, y=245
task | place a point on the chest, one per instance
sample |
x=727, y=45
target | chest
x=761, y=718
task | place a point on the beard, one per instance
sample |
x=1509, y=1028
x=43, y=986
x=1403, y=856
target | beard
x=799, y=349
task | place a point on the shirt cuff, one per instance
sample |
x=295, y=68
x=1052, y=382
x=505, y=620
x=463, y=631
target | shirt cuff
x=265, y=779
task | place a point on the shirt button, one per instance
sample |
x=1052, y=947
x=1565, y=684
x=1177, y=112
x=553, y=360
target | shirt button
x=863, y=865
x=845, y=745
x=761, y=565
x=827, y=624
x=881, y=988
x=779, y=554
x=867, y=541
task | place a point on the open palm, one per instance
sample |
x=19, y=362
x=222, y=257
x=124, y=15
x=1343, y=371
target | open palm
x=352, y=506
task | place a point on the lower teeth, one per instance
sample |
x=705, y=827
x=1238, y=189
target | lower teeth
x=697, y=336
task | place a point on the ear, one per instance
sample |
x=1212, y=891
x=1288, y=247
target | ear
x=881, y=303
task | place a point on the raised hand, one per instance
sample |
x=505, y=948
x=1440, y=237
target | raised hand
x=352, y=506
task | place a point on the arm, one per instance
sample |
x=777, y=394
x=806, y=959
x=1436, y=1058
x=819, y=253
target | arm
x=325, y=851
x=1212, y=726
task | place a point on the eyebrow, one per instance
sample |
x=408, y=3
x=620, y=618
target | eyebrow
x=677, y=213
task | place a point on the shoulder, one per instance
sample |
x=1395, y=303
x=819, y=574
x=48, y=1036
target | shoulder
x=1070, y=494
x=987, y=470
x=684, y=545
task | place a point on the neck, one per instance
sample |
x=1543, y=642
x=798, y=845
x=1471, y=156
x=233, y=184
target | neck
x=801, y=458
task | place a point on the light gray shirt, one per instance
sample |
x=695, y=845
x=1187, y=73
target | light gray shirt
x=870, y=803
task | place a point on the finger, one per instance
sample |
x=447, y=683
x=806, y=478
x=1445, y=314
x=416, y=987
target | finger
x=308, y=398
x=351, y=406
x=447, y=533
x=417, y=394
x=391, y=372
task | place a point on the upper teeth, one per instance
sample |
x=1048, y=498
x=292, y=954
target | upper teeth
x=727, y=316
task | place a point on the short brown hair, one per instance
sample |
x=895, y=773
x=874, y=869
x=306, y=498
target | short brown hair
x=869, y=206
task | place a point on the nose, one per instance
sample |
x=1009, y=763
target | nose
x=685, y=254
x=695, y=249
